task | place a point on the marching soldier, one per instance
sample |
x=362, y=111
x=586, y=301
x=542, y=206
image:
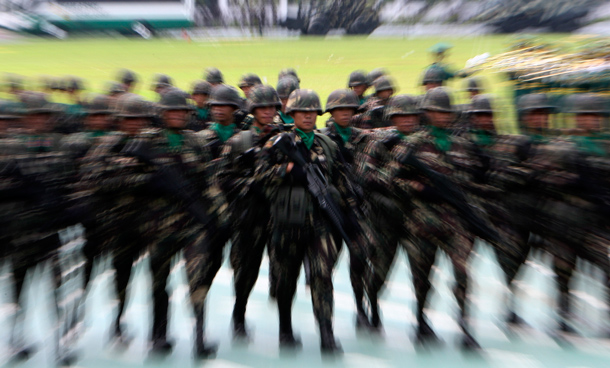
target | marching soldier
x=249, y=208
x=285, y=86
x=373, y=117
x=213, y=76
x=200, y=95
x=358, y=83
x=288, y=72
x=299, y=225
x=128, y=79
x=247, y=82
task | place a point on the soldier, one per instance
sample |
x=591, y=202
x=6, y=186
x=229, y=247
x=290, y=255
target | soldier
x=285, y=86
x=358, y=83
x=439, y=52
x=201, y=117
x=247, y=82
x=388, y=216
x=115, y=181
x=184, y=220
x=161, y=84
x=342, y=105
x=249, y=208
x=128, y=79
x=213, y=76
x=288, y=72
x=474, y=87
x=374, y=116
x=431, y=79
x=299, y=225
x=224, y=102
x=372, y=76
x=437, y=218
x=39, y=176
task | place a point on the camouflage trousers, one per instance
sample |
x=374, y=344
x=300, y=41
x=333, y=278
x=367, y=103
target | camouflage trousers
x=290, y=245
x=248, y=245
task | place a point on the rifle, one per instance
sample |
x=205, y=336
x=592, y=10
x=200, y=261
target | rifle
x=450, y=193
x=317, y=185
x=170, y=181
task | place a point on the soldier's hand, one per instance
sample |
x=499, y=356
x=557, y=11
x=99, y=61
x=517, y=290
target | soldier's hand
x=289, y=167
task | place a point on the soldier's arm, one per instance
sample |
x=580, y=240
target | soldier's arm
x=272, y=167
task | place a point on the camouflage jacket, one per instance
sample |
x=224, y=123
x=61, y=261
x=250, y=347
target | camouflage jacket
x=352, y=150
x=212, y=145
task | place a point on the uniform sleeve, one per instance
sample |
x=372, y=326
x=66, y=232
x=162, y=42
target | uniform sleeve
x=271, y=168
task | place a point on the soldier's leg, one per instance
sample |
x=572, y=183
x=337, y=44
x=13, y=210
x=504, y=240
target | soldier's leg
x=459, y=248
x=382, y=253
x=421, y=254
x=203, y=260
x=246, y=257
x=162, y=253
x=564, y=263
x=21, y=263
x=289, y=250
x=322, y=255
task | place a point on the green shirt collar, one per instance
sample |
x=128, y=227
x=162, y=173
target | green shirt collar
x=287, y=119
x=345, y=133
x=224, y=131
x=307, y=138
x=441, y=138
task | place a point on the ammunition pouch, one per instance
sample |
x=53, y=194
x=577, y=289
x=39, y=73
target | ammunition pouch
x=291, y=206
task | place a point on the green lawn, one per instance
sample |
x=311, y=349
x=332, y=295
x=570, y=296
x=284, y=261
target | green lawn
x=322, y=64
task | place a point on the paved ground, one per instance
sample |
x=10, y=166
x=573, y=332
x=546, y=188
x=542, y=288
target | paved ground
x=527, y=348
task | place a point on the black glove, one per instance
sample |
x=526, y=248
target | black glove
x=298, y=174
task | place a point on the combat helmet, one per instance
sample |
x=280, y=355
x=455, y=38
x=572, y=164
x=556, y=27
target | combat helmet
x=161, y=80
x=304, y=100
x=534, y=101
x=114, y=88
x=288, y=72
x=586, y=103
x=401, y=105
x=474, y=85
x=99, y=105
x=175, y=99
x=37, y=103
x=384, y=83
x=249, y=80
x=133, y=106
x=214, y=76
x=10, y=110
x=126, y=76
x=342, y=98
x=202, y=88
x=437, y=99
x=73, y=84
x=263, y=96
x=286, y=85
x=374, y=74
x=481, y=104
x=225, y=95
x=357, y=78
x=432, y=76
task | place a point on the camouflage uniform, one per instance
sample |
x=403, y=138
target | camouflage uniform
x=374, y=109
x=36, y=185
x=250, y=216
x=434, y=223
x=387, y=215
x=304, y=231
x=351, y=142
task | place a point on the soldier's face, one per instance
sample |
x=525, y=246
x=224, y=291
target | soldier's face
x=284, y=102
x=360, y=89
x=384, y=95
x=98, y=122
x=175, y=119
x=440, y=119
x=405, y=123
x=246, y=90
x=200, y=99
x=264, y=115
x=305, y=120
x=342, y=116
x=39, y=123
x=537, y=119
x=223, y=114
x=429, y=86
x=133, y=126
x=483, y=121
x=589, y=123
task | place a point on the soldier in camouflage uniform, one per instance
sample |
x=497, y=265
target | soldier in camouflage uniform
x=431, y=78
x=285, y=86
x=37, y=182
x=249, y=208
x=247, y=82
x=128, y=79
x=358, y=83
x=342, y=105
x=434, y=222
x=288, y=72
x=299, y=226
x=373, y=117
x=161, y=84
x=388, y=215
x=213, y=76
x=200, y=95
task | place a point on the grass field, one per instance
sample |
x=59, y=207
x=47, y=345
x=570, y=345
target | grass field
x=322, y=64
